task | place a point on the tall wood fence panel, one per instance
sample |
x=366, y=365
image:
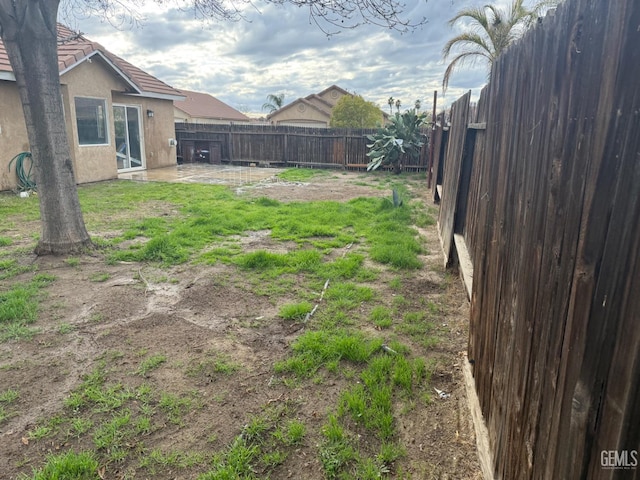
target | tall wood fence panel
x=282, y=146
x=552, y=228
x=451, y=175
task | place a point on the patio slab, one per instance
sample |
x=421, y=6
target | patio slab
x=204, y=173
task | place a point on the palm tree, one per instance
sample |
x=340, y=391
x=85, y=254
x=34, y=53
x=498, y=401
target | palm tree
x=418, y=104
x=390, y=102
x=398, y=104
x=274, y=102
x=491, y=30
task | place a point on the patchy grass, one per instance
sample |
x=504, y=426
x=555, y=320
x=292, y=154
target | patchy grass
x=302, y=174
x=365, y=344
x=19, y=307
x=79, y=466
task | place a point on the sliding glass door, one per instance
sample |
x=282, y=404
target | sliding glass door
x=129, y=143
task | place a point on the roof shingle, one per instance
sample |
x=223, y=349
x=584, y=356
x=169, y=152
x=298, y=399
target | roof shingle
x=203, y=105
x=73, y=48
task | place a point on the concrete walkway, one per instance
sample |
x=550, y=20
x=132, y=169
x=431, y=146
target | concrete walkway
x=204, y=173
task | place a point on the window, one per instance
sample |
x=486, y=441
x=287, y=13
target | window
x=92, y=121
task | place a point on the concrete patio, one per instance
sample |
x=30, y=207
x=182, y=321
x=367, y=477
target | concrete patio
x=205, y=173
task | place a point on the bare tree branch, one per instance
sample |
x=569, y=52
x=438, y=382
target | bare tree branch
x=330, y=16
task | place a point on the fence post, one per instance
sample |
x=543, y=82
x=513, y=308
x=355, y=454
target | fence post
x=431, y=139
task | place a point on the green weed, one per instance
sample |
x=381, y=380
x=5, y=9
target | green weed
x=291, y=434
x=175, y=407
x=70, y=465
x=301, y=174
x=348, y=296
x=7, y=398
x=381, y=317
x=212, y=365
x=235, y=463
x=99, y=277
x=316, y=349
x=40, y=432
x=295, y=311
x=150, y=363
x=72, y=262
x=80, y=426
x=10, y=268
x=65, y=328
x=113, y=434
x=336, y=451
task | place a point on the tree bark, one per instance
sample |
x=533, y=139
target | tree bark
x=29, y=32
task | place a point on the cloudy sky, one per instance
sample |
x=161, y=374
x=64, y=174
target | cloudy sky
x=276, y=49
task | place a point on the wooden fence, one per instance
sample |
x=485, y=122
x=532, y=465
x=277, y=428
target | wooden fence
x=281, y=146
x=540, y=193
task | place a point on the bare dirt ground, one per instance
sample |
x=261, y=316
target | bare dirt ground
x=190, y=313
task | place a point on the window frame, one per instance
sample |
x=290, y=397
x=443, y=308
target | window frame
x=105, y=123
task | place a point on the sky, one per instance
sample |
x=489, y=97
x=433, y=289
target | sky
x=276, y=49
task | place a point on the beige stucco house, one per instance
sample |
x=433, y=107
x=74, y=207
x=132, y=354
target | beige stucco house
x=199, y=107
x=119, y=118
x=311, y=111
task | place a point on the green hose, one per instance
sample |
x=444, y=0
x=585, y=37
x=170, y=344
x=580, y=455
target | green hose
x=25, y=179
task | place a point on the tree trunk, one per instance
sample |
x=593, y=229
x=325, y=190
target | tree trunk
x=28, y=30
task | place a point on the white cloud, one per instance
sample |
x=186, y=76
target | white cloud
x=278, y=50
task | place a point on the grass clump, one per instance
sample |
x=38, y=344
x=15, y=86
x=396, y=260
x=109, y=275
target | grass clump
x=258, y=448
x=300, y=174
x=291, y=434
x=164, y=249
x=213, y=364
x=348, y=296
x=275, y=264
x=150, y=363
x=70, y=465
x=336, y=451
x=316, y=349
x=7, y=398
x=381, y=317
x=171, y=459
x=10, y=268
x=295, y=311
x=19, y=307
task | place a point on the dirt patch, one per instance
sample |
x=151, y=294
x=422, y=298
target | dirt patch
x=215, y=342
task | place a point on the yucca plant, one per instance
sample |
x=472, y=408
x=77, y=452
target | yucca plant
x=398, y=141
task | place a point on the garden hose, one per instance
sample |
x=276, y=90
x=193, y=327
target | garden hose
x=25, y=179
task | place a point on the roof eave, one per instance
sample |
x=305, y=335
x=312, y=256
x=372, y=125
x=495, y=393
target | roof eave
x=7, y=76
x=160, y=96
x=110, y=63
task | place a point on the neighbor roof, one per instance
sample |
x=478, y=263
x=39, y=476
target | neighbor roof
x=74, y=49
x=314, y=101
x=203, y=105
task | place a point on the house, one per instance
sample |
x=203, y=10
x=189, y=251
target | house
x=311, y=111
x=203, y=108
x=119, y=118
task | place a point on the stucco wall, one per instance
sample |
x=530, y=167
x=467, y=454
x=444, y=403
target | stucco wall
x=91, y=163
x=13, y=132
x=95, y=162
x=332, y=96
x=299, y=112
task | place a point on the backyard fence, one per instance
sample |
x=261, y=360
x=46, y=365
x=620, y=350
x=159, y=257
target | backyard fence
x=268, y=145
x=540, y=206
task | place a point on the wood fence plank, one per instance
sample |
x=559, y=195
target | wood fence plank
x=552, y=226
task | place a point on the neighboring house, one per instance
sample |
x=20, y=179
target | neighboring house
x=203, y=108
x=118, y=117
x=311, y=111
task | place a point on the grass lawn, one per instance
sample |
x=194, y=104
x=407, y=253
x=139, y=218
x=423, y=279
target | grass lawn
x=217, y=335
